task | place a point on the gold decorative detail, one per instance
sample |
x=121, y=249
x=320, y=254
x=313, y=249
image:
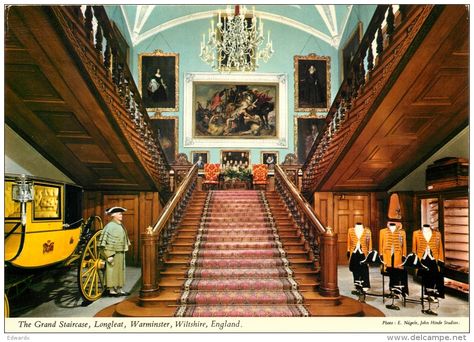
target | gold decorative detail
x=149, y=230
x=48, y=247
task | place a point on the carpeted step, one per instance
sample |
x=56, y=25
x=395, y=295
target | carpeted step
x=238, y=259
x=240, y=284
x=230, y=297
x=297, y=310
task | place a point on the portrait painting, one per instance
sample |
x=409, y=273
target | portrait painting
x=349, y=50
x=200, y=158
x=307, y=130
x=312, y=83
x=158, y=81
x=234, y=110
x=269, y=158
x=166, y=129
x=235, y=158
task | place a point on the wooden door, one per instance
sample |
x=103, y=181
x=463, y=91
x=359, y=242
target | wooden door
x=348, y=210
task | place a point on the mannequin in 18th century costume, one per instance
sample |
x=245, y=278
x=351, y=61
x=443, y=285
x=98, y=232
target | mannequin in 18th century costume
x=359, y=244
x=428, y=246
x=393, y=248
x=113, y=243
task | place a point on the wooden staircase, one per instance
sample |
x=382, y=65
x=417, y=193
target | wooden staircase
x=165, y=303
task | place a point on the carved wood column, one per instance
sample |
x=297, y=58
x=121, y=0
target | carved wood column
x=328, y=287
x=149, y=243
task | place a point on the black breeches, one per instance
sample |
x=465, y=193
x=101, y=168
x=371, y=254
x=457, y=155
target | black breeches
x=359, y=271
x=431, y=278
x=398, y=276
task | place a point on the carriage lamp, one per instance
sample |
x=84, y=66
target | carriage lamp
x=22, y=192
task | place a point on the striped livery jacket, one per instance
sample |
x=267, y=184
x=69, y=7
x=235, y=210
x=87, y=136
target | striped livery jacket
x=392, y=244
x=420, y=244
x=365, y=241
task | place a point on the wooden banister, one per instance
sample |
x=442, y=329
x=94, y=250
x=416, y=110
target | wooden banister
x=320, y=242
x=97, y=51
x=155, y=241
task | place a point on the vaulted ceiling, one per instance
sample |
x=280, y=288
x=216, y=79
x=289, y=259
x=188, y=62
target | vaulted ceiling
x=326, y=22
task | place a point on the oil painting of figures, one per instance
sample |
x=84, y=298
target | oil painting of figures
x=234, y=110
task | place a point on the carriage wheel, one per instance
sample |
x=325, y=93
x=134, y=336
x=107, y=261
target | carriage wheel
x=6, y=311
x=91, y=270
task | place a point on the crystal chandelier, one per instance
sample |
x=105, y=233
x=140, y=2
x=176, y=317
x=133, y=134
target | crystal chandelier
x=235, y=43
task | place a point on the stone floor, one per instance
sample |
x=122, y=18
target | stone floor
x=450, y=306
x=57, y=295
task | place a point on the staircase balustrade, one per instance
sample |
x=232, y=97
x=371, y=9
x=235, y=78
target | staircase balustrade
x=93, y=39
x=155, y=241
x=321, y=243
x=390, y=35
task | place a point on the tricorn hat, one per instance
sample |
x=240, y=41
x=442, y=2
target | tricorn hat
x=114, y=210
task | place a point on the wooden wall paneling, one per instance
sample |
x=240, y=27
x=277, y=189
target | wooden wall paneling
x=324, y=207
x=143, y=210
x=348, y=210
x=378, y=215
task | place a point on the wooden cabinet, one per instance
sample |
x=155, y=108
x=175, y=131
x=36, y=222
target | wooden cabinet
x=448, y=211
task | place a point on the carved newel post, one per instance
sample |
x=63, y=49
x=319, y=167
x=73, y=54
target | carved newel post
x=328, y=287
x=149, y=243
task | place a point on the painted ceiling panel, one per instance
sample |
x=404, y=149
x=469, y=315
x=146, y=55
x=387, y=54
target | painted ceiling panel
x=323, y=21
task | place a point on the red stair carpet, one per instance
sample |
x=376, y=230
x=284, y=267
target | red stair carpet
x=238, y=266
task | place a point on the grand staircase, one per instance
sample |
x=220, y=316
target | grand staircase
x=238, y=253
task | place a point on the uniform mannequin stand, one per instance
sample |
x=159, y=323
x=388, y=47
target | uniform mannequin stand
x=359, y=243
x=392, y=246
x=427, y=244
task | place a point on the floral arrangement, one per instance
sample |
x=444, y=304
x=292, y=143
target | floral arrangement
x=237, y=173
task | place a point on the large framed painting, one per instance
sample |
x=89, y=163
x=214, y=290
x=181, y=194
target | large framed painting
x=349, y=50
x=200, y=158
x=235, y=158
x=235, y=110
x=307, y=129
x=158, y=80
x=312, y=83
x=166, y=128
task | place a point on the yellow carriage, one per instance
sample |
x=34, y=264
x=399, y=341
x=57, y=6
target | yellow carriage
x=44, y=227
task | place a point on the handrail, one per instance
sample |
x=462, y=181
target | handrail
x=301, y=201
x=155, y=242
x=174, y=201
x=319, y=242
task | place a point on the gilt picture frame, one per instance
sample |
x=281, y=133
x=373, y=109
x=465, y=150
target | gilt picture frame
x=240, y=158
x=200, y=158
x=158, y=81
x=350, y=48
x=215, y=102
x=166, y=128
x=269, y=158
x=307, y=129
x=312, y=83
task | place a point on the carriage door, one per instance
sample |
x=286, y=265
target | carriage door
x=348, y=210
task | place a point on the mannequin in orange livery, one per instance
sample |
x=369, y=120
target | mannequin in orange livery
x=393, y=248
x=359, y=244
x=428, y=246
